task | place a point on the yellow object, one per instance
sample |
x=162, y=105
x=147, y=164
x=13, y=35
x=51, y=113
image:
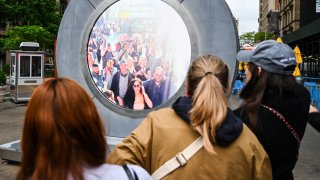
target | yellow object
x=279, y=39
x=245, y=65
x=240, y=66
x=299, y=61
x=298, y=54
x=296, y=72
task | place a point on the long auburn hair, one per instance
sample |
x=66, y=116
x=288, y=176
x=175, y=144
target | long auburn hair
x=62, y=132
x=261, y=85
x=208, y=83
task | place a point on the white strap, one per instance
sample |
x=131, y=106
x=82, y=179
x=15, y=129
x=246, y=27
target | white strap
x=179, y=160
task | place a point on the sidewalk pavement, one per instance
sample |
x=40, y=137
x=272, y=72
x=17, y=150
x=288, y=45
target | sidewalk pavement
x=11, y=124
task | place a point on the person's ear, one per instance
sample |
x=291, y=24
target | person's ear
x=259, y=71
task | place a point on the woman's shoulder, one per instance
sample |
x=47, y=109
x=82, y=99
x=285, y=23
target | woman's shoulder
x=248, y=141
x=300, y=89
x=141, y=173
x=245, y=138
x=111, y=171
x=300, y=93
x=314, y=120
x=166, y=117
x=301, y=97
x=161, y=113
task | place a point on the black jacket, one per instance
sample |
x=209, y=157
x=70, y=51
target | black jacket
x=115, y=83
x=274, y=135
x=314, y=120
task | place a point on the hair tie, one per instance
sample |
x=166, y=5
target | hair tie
x=208, y=73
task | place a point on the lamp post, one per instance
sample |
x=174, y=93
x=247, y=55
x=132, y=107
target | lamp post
x=265, y=35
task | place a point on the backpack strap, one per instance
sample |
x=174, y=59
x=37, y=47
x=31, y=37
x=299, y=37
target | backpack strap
x=129, y=174
x=179, y=160
x=293, y=132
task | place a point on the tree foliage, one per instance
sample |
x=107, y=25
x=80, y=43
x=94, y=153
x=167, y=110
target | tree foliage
x=253, y=38
x=248, y=38
x=261, y=36
x=27, y=20
x=18, y=34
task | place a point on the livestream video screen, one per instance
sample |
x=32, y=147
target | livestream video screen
x=138, y=53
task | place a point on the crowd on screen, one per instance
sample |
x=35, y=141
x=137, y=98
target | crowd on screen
x=115, y=59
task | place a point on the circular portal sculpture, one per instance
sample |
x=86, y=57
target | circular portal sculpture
x=145, y=41
x=117, y=50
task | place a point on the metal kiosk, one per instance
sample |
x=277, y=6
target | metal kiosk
x=27, y=71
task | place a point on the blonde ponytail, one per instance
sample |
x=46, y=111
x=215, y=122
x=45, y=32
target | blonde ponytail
x=208, y=75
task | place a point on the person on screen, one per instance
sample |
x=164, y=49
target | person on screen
x=64, y=138
x=136, y=97
x=156, y=87
x=135, y=60
x=120, y=81
x=130, y=65
x=123, y=53
x=90, y=60
x=231, y=150
x=92, y=47
x=165, y=65
x=106, y=54
x=96, y=76
x=108, y=73
x=143, y=71
x=131, y=52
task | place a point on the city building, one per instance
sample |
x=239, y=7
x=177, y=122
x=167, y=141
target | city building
x=300, y=25
x=289, y=16
x=268, y=16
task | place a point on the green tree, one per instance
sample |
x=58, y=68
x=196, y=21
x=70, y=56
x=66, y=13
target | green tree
x=261, y=36
x=248, y=38
x=40, y=15
x=18, y=34
x=3, y=78
x=253, y=38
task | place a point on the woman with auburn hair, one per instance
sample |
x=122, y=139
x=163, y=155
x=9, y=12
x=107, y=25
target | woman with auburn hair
x=173, y=137
x=63, y=136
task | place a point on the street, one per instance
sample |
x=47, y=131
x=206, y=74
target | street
x=11, y=124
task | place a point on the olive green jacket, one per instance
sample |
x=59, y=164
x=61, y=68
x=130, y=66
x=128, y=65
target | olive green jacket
x=163, y=134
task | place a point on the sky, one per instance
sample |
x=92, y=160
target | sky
x=247, y=11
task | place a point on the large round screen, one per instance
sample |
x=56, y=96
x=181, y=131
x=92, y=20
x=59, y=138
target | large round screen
x=138, y=53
